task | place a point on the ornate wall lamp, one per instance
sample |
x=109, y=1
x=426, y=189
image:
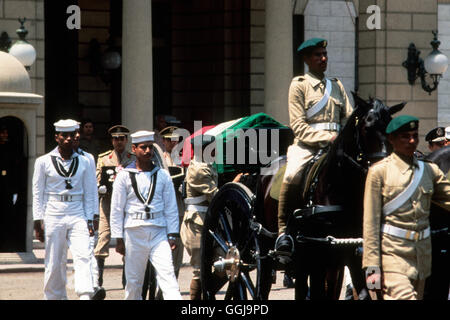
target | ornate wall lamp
x=435, y=65
x=21, y=49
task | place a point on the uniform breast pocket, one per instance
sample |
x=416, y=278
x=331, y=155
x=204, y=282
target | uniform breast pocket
x=426, y=192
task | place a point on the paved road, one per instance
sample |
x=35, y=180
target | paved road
x=25, y=282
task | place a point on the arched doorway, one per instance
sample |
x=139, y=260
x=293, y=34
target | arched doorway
x=13, y=184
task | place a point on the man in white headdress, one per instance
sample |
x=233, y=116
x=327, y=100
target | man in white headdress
x=63, y=209
x=144, y=220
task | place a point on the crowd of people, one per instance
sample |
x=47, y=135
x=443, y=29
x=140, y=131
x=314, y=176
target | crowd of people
x=136, y=202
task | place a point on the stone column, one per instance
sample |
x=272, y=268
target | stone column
x=278, y=58
x=137, y=70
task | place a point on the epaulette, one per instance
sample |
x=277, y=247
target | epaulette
x=299, y=78
x=105, y=153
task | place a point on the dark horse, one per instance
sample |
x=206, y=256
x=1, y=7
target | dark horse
x=437, y=285
x=330, y=208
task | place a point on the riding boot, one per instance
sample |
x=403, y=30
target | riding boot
x=288, y=199
x=101, y=267
x=195, y=289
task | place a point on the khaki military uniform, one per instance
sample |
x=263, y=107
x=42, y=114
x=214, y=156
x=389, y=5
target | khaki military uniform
x=201, y=186
x=311, y=133
x=304, y=92
x=107, y=159
x=405, y=264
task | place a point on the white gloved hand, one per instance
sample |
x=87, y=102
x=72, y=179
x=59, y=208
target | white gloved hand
x=14, y=198
x=102, y=190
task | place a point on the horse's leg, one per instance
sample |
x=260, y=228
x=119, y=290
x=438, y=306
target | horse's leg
x=334, y=278
x=301, y=284
x=317, y=282
x=267, y=266
x=301, y=273
x=354, y=264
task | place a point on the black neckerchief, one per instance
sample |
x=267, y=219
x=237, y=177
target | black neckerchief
x=151, y=193
x=66, y=174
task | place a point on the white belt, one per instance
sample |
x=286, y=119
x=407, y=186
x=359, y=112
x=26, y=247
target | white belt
x=143, y=215
x=195, y=200
x=193, y=207
x=65, y=197
x=404, y=233
x=331, y=126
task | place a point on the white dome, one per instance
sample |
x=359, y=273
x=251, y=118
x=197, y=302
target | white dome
x=14, y=77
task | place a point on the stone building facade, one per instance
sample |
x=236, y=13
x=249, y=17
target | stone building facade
x=219, y=60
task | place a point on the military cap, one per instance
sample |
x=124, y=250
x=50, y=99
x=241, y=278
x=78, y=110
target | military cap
x=402, y=123
x=169, y=132
x=447, y=133
x=142, y=135
x=118, y=131
x=313, y=42
x=202, y=140
x=436, y=135
x=67, y=125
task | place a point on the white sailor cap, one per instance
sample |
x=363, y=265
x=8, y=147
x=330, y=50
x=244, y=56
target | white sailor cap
x=447, y=133
x=67, y=125
x=141, y=136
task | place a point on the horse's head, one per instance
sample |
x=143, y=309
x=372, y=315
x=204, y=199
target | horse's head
x=371, y=119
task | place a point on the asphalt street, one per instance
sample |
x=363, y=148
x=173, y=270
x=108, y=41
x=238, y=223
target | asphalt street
x=25, y=281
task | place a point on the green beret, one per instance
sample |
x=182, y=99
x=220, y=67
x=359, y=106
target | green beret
x=202, y=140
x=402, y=123
x=313, y=42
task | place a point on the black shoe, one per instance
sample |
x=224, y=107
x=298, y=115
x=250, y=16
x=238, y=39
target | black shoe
x=284, y=248
x=287, y=282
x=99, y=293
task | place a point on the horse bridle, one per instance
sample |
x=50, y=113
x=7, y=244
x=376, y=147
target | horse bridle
x=369, y=157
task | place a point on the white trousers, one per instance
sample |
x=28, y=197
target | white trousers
x=94, y=266
x=62, y=232
x=141, y=244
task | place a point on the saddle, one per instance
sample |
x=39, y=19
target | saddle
x=309, y=174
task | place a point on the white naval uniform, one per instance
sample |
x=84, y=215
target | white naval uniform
x=145, y=239
x=65, y=222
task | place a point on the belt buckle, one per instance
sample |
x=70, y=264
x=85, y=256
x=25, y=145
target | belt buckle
x=66, y=198
x=408, y=235
x=138, y=215
x=149, y=215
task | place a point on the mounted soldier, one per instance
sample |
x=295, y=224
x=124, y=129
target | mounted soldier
x=318, y=108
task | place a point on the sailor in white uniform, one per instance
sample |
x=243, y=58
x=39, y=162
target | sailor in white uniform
x=63, y=206
x=144, y=220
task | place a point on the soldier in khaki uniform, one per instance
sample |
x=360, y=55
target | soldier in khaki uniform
x=201, y=186
x=398, y=192
x=108, y=164
x=318, y=108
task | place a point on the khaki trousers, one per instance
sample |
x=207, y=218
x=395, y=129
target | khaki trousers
x=398, y=286
x=104, y=230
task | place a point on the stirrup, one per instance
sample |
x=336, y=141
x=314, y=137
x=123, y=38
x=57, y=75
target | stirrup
x=284, y=248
